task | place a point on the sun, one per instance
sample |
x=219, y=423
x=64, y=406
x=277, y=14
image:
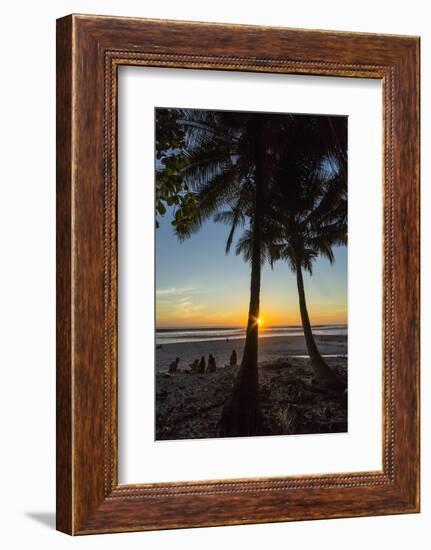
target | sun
x=259, y=321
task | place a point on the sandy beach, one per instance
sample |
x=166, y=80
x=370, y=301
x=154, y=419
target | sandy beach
x=270, y=349
x=189, y=405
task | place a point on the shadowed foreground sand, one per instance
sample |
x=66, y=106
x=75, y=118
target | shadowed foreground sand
x=188, y=405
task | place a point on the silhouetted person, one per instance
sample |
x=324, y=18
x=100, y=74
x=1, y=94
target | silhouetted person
x=194, y=366
x=212, y=367
x=233, y=359
x=201, y=366
x=173, y=367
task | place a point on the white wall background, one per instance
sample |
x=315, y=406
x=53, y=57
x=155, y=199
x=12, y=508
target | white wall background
x=27, y=279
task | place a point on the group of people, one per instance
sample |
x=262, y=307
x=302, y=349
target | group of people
x=200, y=366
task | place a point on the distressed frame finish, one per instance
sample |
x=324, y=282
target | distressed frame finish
x=89, y=51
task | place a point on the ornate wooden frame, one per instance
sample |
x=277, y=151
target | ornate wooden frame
x=89, y=51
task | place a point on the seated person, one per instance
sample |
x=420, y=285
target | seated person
x=201, y=366
x=212, y=367
x=194, y=365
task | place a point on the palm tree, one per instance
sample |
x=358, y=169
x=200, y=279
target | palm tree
x=241, y=414
x=311, y=213
x=226, y=168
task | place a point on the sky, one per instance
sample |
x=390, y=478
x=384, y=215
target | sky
x=198, y=285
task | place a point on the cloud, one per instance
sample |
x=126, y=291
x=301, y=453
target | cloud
x=179, y=302
x=178, y=291
x=172, y=290
x=185, y=303
x=187, y=310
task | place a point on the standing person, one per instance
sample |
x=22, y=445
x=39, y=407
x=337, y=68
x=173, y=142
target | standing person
x=173, y=367
x=233, y=359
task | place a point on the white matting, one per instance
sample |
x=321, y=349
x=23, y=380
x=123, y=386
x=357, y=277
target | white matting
x=141, y=459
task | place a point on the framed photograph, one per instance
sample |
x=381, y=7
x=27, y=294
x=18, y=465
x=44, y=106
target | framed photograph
x=237, y=274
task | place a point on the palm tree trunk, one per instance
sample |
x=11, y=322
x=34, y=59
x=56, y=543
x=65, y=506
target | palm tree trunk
x=322, y=372
x=241, y=413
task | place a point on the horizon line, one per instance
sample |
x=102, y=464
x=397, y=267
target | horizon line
x=218, y=327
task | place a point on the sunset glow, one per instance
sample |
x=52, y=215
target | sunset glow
x=197, y=289
x=196, y=306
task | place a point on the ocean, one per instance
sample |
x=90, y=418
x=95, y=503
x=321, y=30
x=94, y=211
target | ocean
x=189, y=335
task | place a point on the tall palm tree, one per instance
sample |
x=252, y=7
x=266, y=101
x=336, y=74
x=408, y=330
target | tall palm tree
x=227, y=167
x=241, y=414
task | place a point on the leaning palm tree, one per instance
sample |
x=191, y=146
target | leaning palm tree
x=311, y=213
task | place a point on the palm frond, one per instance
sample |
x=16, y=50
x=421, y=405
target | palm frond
x=244, y=245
